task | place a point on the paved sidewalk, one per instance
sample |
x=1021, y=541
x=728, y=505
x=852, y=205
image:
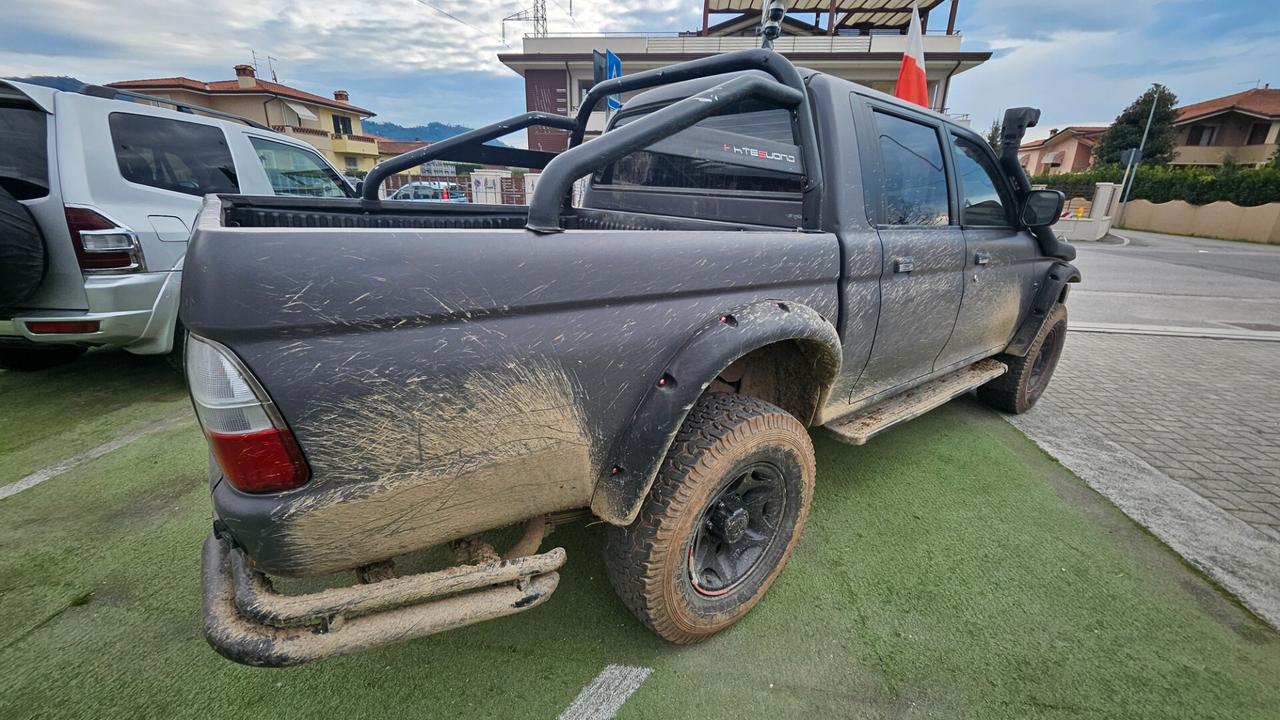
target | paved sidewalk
x=1204, y=412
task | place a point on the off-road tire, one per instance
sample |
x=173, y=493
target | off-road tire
x=649, y=561
x=1015, y=392
x=38, y=358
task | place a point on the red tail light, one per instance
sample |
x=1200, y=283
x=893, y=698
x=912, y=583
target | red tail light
x=100, y=244
x=249, y=440
x=260, y=461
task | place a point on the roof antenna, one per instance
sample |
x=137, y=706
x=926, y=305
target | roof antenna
x=270, y=67
x=771, y=14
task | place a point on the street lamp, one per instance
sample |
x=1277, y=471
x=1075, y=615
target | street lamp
x=1137, y=158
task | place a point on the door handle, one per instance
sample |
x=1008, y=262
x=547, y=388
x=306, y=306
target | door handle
x=982, y=257
x=904, y=264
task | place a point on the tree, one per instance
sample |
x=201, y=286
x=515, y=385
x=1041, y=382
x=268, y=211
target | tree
x=1126, y=131
x=993, y=136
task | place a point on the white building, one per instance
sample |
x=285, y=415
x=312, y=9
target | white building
x=859, y=40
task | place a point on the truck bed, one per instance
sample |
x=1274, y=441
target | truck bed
x=244, y=211
x=446, y=371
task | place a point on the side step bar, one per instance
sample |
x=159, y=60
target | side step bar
x=247, y=621
x=860, y=427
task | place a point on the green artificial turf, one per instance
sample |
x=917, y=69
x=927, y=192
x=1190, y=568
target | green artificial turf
x=949, y=569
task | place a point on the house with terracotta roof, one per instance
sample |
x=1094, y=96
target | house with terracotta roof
x=331, y=125
x=1068, y=149
x=1244, y=127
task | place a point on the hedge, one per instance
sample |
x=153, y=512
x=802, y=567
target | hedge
x=1196, y=185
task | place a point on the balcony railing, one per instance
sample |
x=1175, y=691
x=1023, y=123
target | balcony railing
x=355, y=144
x=296, y=130
x=1216, y=154
x=685, y=44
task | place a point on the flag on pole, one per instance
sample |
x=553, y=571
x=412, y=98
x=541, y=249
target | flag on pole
x=912, y=85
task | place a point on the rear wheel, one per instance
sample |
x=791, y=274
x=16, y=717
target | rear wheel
x=1018, y=390
x=38, y=358
x=722, y=518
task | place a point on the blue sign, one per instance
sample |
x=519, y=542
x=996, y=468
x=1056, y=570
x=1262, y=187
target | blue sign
x=613, y=69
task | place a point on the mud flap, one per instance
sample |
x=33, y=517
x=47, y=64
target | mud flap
x=245, y=620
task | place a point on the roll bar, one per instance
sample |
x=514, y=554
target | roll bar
x=568, y=166
x=788, y=90
x=740, y=60
x=470, y=147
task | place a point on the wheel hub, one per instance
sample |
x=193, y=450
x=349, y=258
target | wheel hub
x=729, y=519
x=737, y=529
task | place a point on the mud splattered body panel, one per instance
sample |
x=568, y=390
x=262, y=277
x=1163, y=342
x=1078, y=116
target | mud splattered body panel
x=446, y=382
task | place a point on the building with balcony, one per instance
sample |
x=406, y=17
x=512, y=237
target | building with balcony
x=1068, y=149
x=1244, y=127
x=859, y=40
x=331, y=125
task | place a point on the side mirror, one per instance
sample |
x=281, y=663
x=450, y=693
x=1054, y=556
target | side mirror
x=1041, y=208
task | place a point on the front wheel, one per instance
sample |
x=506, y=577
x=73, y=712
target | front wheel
x=1018, y=390
x=722, y=518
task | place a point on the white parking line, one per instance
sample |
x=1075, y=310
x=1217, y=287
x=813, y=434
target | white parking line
x=605, y=695
x=57, y=469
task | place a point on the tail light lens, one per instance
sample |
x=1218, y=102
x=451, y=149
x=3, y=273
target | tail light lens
x=101, y=245
x=74, y=327
x=249, y=440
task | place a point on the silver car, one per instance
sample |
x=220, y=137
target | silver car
x=97, y=199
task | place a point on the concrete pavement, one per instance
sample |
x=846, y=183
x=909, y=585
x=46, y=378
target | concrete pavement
x=1179, y=429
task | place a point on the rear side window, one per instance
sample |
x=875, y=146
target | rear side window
x=749, y=148
x=24, y=152
x=914, y=180
x=173, y=155
x=982, y=202
x=297, y=172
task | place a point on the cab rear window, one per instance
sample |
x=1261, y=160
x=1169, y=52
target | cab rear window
x=24, y=152
x=749, y=148
x=173, y=155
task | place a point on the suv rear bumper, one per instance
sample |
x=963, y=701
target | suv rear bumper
x=245, y=620
x=136, y=312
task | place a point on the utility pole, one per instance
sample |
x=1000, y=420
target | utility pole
x=1142, y=144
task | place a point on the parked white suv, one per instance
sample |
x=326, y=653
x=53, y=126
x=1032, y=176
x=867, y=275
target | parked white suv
x=97, y=199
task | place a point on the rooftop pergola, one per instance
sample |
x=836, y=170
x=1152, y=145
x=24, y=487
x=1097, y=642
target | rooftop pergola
x=841, y=16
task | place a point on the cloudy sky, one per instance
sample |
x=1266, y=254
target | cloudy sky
x=1080, y=61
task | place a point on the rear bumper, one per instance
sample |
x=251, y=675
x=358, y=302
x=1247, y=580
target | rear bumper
x=136, y=312
x=245, y=620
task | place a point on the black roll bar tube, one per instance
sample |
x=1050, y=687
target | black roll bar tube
x=470, y=140
x=560, y=174
x=753, y=59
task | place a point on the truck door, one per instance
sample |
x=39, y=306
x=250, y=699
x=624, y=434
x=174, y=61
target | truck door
x=1000, y=257
x=920, y=277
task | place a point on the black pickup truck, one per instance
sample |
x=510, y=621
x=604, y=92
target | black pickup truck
x=758, y=250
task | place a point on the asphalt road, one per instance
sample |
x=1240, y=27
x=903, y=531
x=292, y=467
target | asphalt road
x=1167, y=280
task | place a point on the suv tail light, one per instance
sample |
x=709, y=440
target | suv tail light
x=249, y=439
x=101, y=244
